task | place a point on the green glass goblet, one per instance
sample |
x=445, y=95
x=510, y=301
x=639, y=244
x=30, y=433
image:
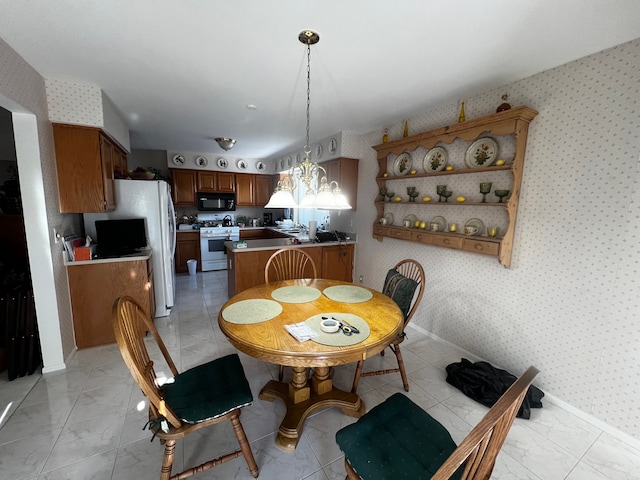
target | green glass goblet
x=485, y=187
x=501, y=194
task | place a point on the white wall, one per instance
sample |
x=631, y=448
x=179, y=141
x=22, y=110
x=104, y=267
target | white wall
x=570, y=304
x=22, y=91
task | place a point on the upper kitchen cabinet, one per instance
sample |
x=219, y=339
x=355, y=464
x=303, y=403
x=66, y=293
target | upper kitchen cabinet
x=184, y=187
x=253, y=190
x=345, y=172
x=85, y=163
x=216, y=182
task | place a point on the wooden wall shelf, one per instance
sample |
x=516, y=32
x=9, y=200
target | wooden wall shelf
x=510, y=122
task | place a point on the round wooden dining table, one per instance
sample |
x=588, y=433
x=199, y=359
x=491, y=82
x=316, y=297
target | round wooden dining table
x=271, y=342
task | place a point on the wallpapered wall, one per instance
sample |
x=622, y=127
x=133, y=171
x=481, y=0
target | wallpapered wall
x=571, y=301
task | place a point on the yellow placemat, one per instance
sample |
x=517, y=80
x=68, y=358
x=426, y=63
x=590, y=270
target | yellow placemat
x=296, y=294
x=339, y=339
x=251, y=311
x=348, y=294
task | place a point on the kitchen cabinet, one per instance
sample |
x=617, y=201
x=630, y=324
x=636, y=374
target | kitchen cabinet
x=85, y=165
x=510, y=123
x=253, y=190
x=95, y=285
x=183, y=187
x=187, y=248
x=245, y=268
x=216, y=182
x=344, y=171
x=337, y=262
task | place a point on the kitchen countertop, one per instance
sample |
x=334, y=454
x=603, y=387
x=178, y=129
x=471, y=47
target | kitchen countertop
x=142, y=255
x=271, y=243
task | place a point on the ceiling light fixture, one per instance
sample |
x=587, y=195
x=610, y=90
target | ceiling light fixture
x=326, y=196
x=226, y=143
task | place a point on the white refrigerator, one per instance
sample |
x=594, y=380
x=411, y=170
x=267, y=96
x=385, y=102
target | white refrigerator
x=149, y=199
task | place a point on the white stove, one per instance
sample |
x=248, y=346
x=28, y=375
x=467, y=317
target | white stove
x=215, y=229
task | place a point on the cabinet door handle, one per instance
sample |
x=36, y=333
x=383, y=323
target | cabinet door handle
x=478, y=246
x=445, y=241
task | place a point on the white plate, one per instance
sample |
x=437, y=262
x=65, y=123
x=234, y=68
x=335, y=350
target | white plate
x=202, y=161
x=435, y=160
x=482, y=153
x=440, y=221
x=389, y=217
x=318, y=151
x=222, y=162
x=260, y=166
x=402, y=164
x=178, y=160
x=242, y=164
x=287, y=163
x=476, y=222
x=333, y=146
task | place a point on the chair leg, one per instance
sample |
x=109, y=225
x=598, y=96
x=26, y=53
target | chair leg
x=403, y=374
x=280, y=372
x=167, y=459
x=244, y=445
x=356, y=376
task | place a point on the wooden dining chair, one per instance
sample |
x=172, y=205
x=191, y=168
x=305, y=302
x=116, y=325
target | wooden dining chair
x=399, y=440
x=197, y=398
x=405, y=285
x=288, y=264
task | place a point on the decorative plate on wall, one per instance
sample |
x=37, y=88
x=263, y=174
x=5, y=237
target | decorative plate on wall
x=435, y=160
x=318, y=151
x=178, y=160
x=242, y=164
x=402, y=164
x=202, y=161
x=333, y=146
x=222, y=162
x=298, y=158
x=481, y=153
x=260, y=166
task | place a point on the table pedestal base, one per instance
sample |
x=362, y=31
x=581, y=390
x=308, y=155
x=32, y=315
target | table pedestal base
x=291, y=426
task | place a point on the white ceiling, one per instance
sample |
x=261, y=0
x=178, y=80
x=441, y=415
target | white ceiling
x=183, y=72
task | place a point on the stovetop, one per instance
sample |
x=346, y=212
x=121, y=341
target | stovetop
x=215, y=220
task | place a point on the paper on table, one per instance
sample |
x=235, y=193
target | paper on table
x=301, y=331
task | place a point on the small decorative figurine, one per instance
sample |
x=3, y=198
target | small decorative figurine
x=385, y=137
x=503, y=106
x=461, y=116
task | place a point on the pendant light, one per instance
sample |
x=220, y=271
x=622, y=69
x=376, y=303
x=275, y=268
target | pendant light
x=327, y=195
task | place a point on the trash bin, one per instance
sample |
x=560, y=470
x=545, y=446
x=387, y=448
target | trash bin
x=192, y=265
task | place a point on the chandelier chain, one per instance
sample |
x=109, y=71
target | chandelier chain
x=306, y=147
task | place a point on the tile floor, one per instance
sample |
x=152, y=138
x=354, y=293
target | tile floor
x=83, y=423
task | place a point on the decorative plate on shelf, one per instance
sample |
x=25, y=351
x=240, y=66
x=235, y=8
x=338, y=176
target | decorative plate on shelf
x=298, y=158
x=402, y=164
x=318, y=151
x=222, y=162
x=476, y=222
x=178, y=160
x=260, y=166
x=389, y=217
x=482, y=153
x=287, y=163
x=435, y=160
x=439, y=221
x=202, y=161
x=242, y=164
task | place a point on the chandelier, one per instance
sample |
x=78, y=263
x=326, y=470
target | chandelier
x=327, y=195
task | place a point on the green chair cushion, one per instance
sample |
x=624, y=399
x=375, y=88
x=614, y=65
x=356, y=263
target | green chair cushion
x=209, y=390
x=401, y=289
x=396, y=440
